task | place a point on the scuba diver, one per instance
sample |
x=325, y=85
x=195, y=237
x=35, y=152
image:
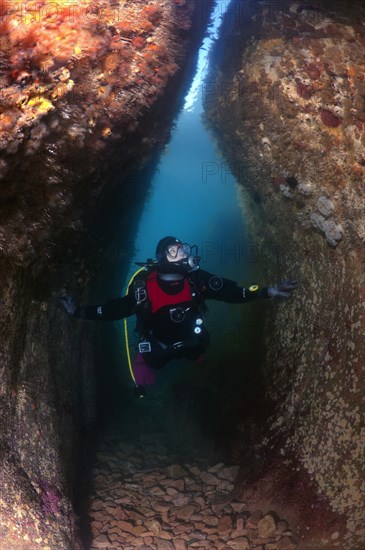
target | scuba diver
x=168, y=296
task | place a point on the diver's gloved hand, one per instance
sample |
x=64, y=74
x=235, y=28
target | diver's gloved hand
x=283, y=289
x=68, y=303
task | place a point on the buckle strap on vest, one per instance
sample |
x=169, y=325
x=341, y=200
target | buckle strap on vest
x=140, y=291
x=150, y=343
x=190, y=343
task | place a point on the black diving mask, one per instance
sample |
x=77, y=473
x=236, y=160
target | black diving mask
x=183, y=256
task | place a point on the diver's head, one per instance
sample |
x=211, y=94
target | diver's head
x=173, y=256
x=171, y=249
x=167, y=250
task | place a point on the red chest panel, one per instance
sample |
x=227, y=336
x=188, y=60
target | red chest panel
x=158, y=298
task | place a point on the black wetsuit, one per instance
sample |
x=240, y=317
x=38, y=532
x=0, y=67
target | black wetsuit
x=173, y=329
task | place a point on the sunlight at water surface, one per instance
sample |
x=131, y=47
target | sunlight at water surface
x=194, y=195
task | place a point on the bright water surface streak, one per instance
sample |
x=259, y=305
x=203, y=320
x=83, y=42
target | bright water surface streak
x=194, y=195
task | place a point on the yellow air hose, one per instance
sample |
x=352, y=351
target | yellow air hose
x=126, y=329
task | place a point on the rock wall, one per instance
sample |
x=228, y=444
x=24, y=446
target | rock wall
x=87, y=100
x=288, y=112
x=75, y=82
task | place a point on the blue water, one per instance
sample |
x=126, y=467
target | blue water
x=193, y=193
x=194, y=198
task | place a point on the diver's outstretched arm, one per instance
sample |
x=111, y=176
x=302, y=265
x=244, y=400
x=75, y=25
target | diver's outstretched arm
x=112, y=310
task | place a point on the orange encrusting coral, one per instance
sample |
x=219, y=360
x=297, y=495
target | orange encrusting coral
x=89, y=48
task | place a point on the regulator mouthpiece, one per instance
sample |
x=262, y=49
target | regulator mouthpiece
x=193, y=259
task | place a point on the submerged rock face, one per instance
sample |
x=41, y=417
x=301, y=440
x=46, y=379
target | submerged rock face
x=75, y=82
x=88, y=93
x=288, y=111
